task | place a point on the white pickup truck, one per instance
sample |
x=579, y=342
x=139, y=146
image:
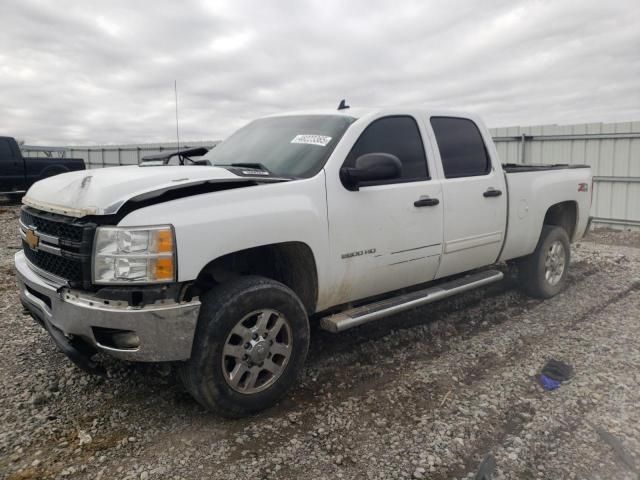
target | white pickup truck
x=342, y=217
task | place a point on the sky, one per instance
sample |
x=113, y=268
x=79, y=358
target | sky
x=98, y=72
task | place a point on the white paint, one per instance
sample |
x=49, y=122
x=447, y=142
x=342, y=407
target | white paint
x=474, y=225
x=381, y=217
x=99, y=192
x=540, y=190
x=211, y=225
x=474, y=241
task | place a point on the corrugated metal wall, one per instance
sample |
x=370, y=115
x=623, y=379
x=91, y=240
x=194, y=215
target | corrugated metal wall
x=611, y=149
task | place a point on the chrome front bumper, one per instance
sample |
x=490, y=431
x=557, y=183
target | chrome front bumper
x=165, y=330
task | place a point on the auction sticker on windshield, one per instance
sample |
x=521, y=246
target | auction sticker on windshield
x=320, y=140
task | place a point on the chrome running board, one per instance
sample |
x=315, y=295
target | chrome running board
x=382, y=308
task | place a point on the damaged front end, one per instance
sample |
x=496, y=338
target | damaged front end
x=129, y=317
x=82, y=323
x=148, y=323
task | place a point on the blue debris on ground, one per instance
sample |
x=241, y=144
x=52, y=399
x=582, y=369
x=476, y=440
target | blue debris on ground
x=554, y=373
x=548, y=383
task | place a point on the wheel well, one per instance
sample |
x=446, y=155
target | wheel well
x=564, y=214
x=290, y=263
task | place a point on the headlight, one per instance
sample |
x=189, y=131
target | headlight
x=123, y=255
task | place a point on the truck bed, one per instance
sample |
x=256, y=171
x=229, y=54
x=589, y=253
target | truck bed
x=532, y=188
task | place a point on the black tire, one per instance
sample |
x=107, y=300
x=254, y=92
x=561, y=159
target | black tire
x=533, y=271
x=222, y=308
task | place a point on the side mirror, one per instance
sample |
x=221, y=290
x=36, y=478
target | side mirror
x=371, y=167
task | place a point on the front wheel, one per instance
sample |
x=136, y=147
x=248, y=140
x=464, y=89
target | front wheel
x=250, y=346
x=543, y=274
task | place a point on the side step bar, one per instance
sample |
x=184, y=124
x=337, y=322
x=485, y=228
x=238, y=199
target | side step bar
x=382, y=308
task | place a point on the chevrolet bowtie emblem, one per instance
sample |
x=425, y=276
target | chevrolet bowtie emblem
x=32, y=239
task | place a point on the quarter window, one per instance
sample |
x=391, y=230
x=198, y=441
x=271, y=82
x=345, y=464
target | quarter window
x=399, y=136
x=461, y=147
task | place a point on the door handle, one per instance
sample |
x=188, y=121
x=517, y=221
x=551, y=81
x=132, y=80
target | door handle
x=492, y=192
x=426, y=202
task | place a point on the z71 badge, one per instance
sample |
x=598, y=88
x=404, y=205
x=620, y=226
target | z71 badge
x=359, y=253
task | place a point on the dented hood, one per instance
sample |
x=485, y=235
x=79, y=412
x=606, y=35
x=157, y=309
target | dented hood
x=104, y=191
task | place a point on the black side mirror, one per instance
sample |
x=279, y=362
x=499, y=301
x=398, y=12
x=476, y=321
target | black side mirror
x=371, y=167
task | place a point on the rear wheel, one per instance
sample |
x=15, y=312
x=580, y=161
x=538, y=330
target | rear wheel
x=250, y=346
x=543, y=274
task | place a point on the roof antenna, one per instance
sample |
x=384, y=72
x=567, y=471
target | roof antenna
x=175, y=90
x=343, y=105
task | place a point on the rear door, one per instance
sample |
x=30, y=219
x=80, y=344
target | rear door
x=474, y=196
x=387, y=235
x=11, y=166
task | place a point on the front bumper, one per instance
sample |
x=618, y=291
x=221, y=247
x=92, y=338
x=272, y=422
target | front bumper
x=165, y=330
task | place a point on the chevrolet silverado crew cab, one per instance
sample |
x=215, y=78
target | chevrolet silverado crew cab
x=341, y=217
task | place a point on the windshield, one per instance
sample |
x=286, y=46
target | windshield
x=291, y=146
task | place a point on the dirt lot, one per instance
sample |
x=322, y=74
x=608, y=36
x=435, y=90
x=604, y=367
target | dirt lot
x=422, y=395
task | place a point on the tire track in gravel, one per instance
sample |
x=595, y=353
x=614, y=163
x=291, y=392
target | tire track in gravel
x=487, y=365
x=510, y=422
x=574, y=431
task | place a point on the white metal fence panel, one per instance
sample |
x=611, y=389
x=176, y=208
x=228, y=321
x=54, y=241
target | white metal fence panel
x=611, y=149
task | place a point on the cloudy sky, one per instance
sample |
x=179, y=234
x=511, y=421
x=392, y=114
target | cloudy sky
x=83, y=72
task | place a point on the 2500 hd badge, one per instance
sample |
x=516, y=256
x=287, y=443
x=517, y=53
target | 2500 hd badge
x=359, y=253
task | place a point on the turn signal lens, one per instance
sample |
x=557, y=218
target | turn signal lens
x=164, y=241
x=163, y=268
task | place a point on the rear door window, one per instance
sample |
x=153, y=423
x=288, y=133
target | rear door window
x=462, y=150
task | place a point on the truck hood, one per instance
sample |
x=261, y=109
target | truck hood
x=104, y=191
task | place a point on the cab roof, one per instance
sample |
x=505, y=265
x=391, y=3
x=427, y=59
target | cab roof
x=360, y=112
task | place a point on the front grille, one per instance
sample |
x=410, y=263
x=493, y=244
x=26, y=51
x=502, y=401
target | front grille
x=51, y=224
x=66, y=268
x=75, y=241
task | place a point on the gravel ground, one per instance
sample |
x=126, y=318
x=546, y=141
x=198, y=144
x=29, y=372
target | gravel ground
x=421, y=395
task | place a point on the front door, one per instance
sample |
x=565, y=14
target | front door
x=386, y=235
x=475, y=197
